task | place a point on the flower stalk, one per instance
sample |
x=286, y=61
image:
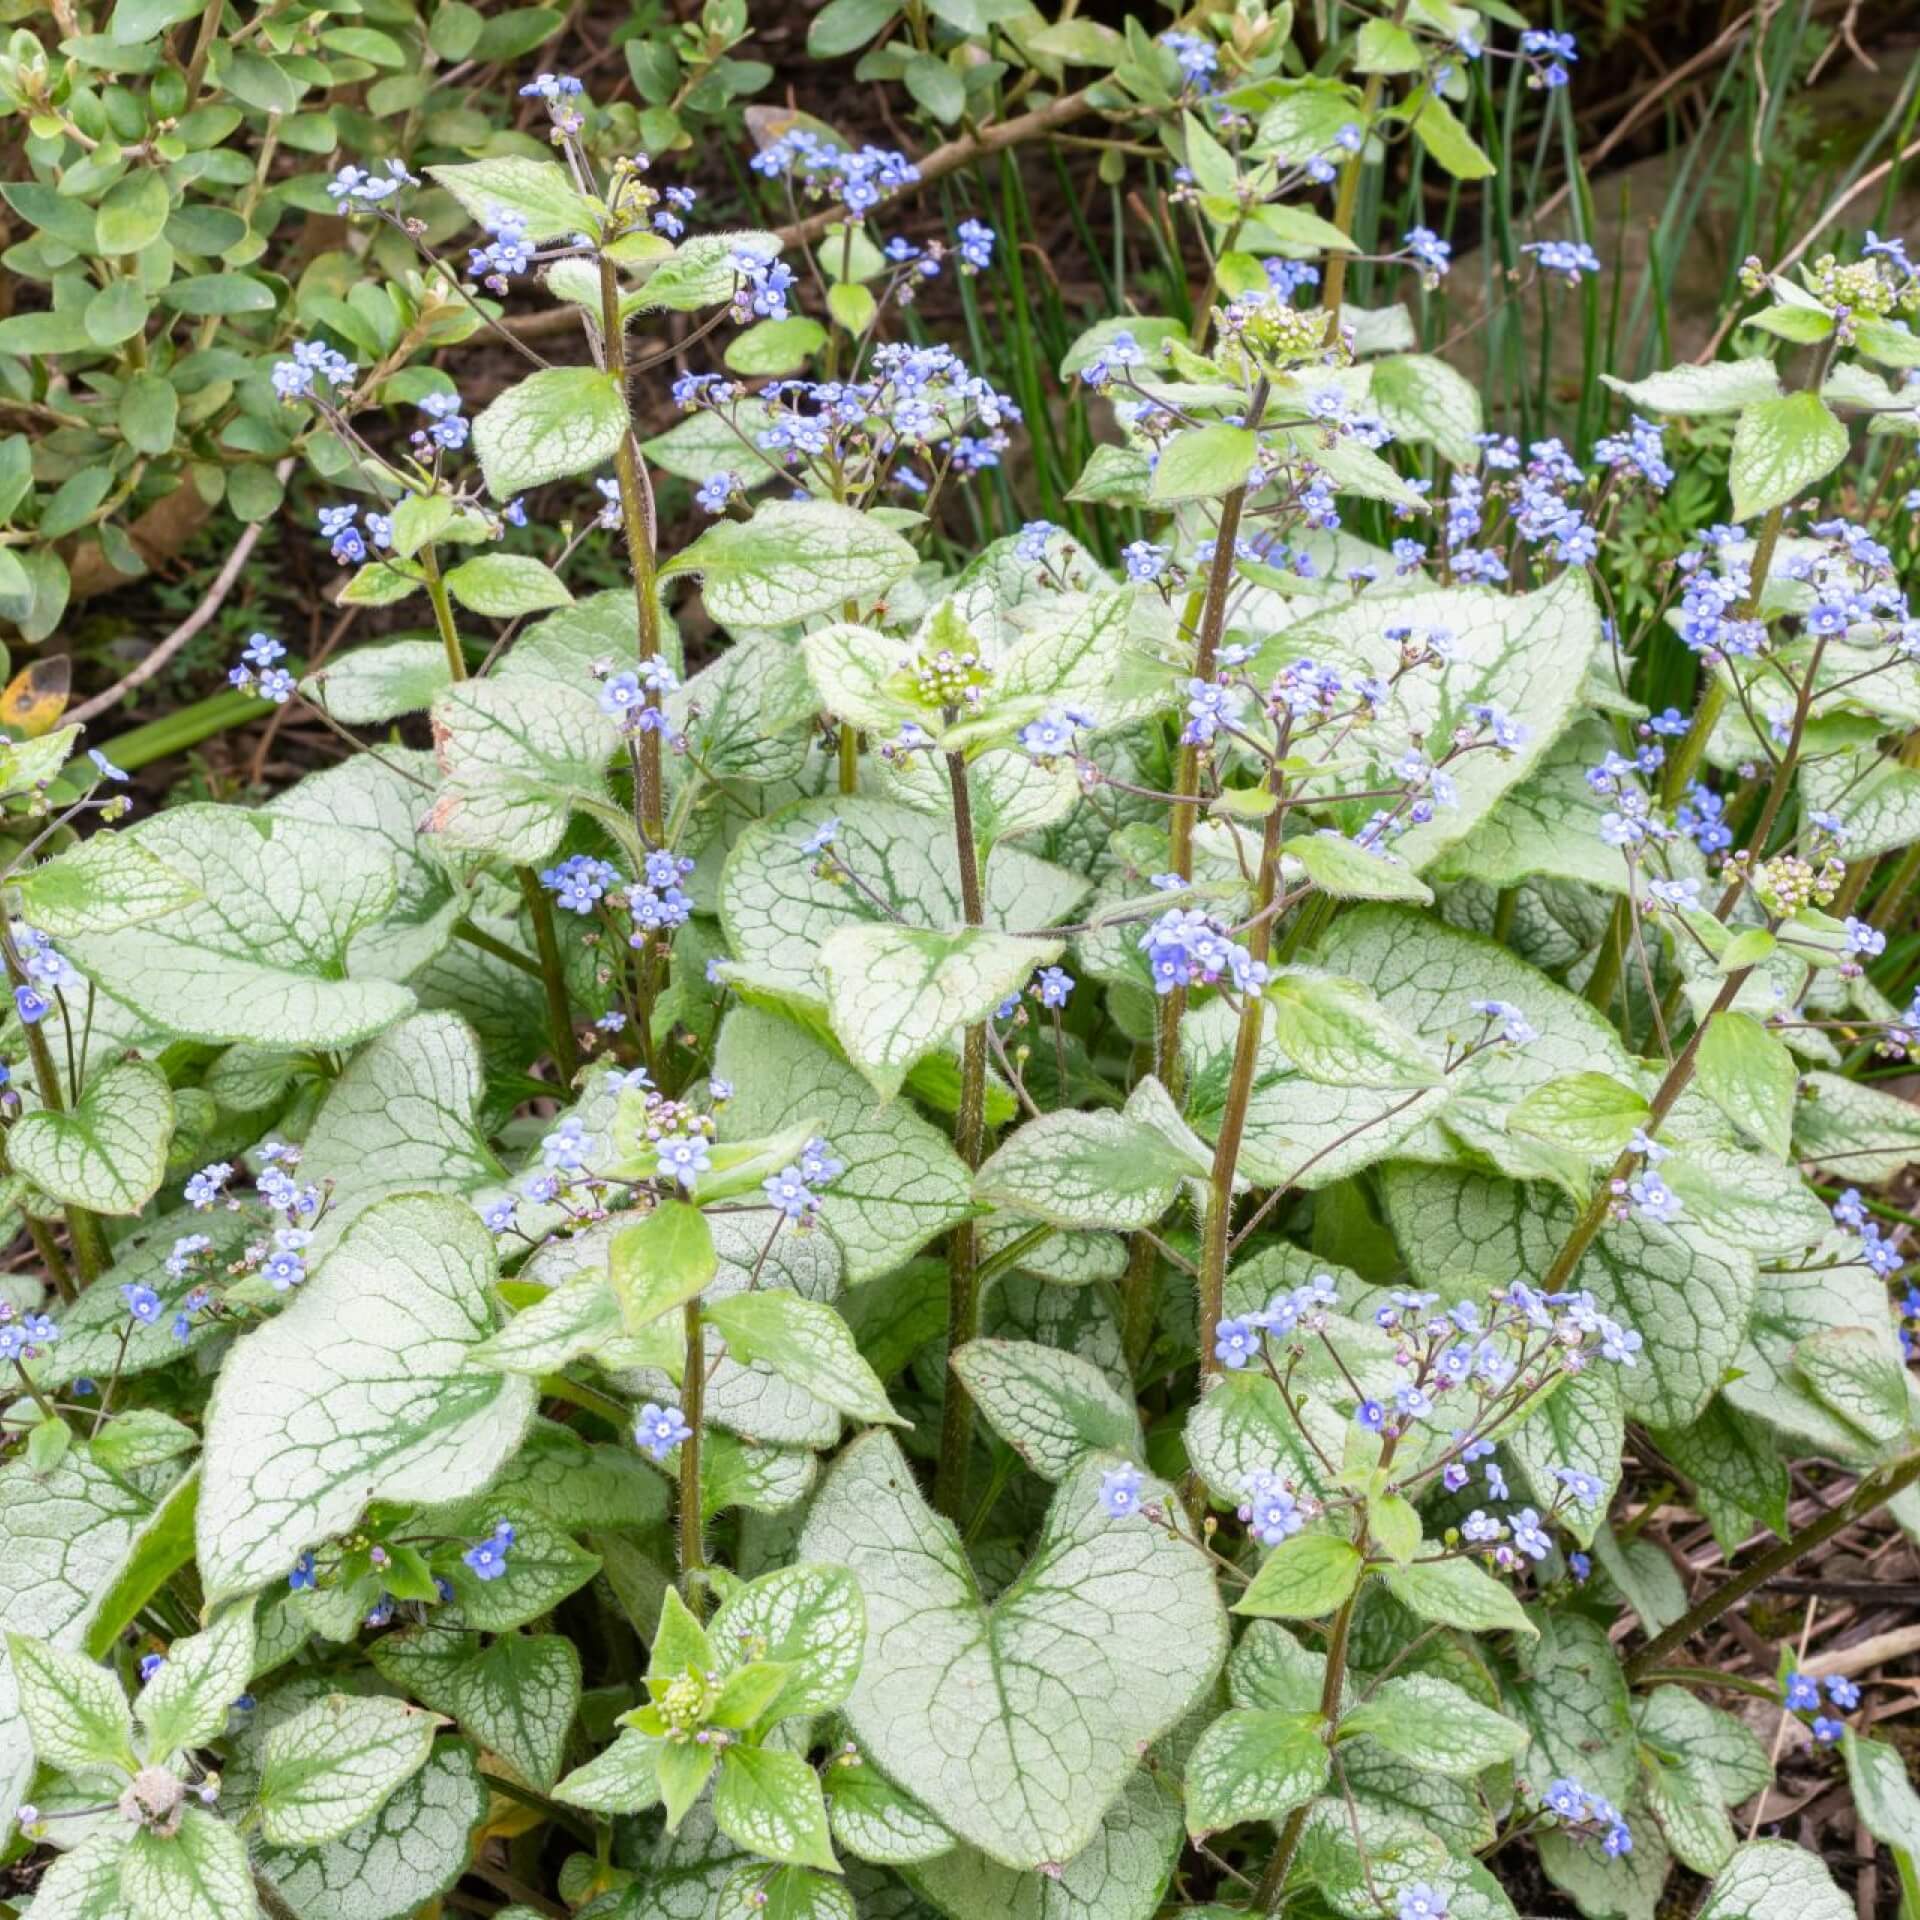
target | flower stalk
x=969, y=1140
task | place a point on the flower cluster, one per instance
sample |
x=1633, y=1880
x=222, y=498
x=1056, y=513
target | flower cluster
x=559, y=91
x=447, y=427
x=1877, y=1251
x=859, y=178
x=1565, y=258
x=1800, y=1693
x=1270, y=1508
x=279, y=1259
x=49, y=973
x=24, y=1335
x=761, y=284
x=580, y=882
x=659, y=903
x=1052, y=987
x=853, y=437
x=355, y=191
x=793, y=1191
x=633, y=696
x=1198, y=57
x=1186, y=947
x=257, y=670
x=312, y=360
x=1548, y=55
x=1490, y=1353
x=487, y=1559
x=507, y=254
x=1587, y=1815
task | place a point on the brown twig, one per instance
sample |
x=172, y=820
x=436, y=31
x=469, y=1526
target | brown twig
x=210, y=603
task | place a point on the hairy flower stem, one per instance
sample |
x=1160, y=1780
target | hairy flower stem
x=969, y=1139
x=1186, y=779
x=1871, y=1491
x=1139, y=1296
x=636, y=518
x=566, y=1055
x=1217, y=1235
x=1684, y=762
x=1574, y=1249
x=50, y=1257
x=1348, y=197
x=637, y=522
x=1273, y=1882
x=1142, y=1257
x=443, y=613
x=693, y=1395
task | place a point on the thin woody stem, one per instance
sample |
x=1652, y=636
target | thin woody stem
x=1871, y=1492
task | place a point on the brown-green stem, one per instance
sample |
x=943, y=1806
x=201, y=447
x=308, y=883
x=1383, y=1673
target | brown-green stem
x=969, y=1139
x=636, y=519
x=693, y=1397
x=1217, y=1234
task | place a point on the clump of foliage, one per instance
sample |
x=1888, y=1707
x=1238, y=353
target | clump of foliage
x=993, y=1235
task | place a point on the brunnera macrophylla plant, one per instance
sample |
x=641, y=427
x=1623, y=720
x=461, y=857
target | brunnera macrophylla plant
x=994, y=1248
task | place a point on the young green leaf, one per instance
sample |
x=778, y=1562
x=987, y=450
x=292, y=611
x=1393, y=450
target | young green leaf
x=1591, y=1114
x=897, y=994
x=1781, y=448
x=107, y=1153
x=791, y=559
x=75, y=1711
x=1305, y=1578
x=187, y=1701
x=1457, y=1594
x=810, y=1621
x=664, y=1259
x=557, y=422
x=1337, y=1030
x=1202, y=463
x=198, y=1873
x=770, y=1802
x=1750, y=1076
x=535, y=192
x=1254, y=1765
x=807, y=1343
x=1436, y=1725
x=1098, y=1169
